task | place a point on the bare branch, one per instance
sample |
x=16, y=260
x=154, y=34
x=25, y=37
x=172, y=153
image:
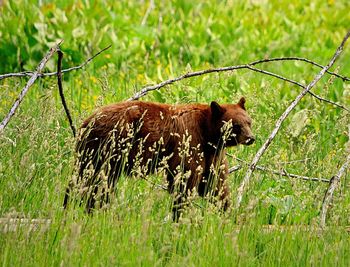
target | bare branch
x=27, y=86
x=291, y=175
x=280, y=173
x=16, y=74
x=147, y=89
x=234, y=169
x=298, y=84
x=81, y=65
x=30, y=73
x=279, y=122
x=333, y=184
x=249, y=66
x=60, y=89
x=344, y=78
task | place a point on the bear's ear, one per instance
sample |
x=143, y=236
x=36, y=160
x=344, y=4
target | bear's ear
x=242, y=102
x=216, y=109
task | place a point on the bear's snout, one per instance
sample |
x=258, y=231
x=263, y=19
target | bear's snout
x=250, y=140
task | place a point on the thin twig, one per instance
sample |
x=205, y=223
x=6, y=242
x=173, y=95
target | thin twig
x=298, y=84
x=146, y=89
x=30, y=73
x=16, y=74
x=81, y=65
x=60, y=89
x=294, y=161
x=234, y=168
x=279, y=122
x=334, y=182
x=27, y=86
x=280, y=173
x=344, y=78
x=291, y=175
x=249, y=66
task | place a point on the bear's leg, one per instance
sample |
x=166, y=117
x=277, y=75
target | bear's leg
x=214, y=183
x=114, y=171
x=170, y=181
x=223, y=193
x=66, y=196
x=179, y=191
x=179, y=205
x=91, y=199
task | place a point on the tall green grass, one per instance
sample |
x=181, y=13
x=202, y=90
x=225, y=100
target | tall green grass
x=37, y=149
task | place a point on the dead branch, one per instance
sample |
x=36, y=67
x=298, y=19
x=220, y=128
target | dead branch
x=280, y=173
x=294, y=161
x=235, y=168
x=333, y=184
x=279, y=122
x=30, y=73
x=24, y=91
x=300, y=85
x=16, y=74
x=344, y=78
x=60, y=89
x=249, y=66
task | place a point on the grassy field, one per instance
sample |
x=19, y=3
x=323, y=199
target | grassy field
x=37, y=147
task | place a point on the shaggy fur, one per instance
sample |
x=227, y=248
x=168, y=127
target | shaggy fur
x=187, y=142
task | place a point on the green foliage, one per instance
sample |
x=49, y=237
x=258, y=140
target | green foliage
x=37, y=149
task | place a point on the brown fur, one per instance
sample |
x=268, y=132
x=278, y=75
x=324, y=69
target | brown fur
x=134, y=137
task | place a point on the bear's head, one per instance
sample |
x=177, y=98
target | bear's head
x=232, y=123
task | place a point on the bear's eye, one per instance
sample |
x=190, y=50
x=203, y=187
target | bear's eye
x=236, y=128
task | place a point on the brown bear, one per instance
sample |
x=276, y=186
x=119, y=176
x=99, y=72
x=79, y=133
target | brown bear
x=185, y=142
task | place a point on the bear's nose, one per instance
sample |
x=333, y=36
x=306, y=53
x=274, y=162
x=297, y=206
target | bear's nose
x=250, y=141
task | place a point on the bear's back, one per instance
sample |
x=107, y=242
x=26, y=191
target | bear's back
x=154, y=116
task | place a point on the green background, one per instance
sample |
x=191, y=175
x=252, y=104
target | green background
x=37, y=148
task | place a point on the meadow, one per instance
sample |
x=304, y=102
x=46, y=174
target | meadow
x=277, y=223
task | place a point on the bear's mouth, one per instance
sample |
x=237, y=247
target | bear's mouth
x=249, y=141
